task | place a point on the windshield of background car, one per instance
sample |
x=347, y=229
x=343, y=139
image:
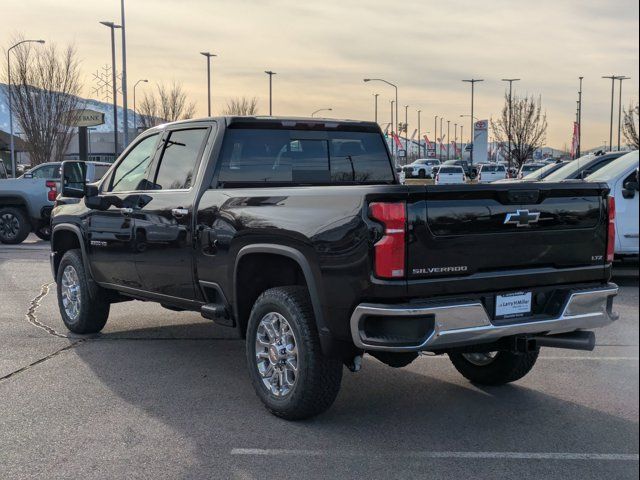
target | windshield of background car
x=569, y=169
x=616, y=168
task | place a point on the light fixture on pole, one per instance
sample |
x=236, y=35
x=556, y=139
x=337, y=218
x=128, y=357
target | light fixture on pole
x=621, y=78
x=135, y=123
x=12, y=153
x=393, y=127
x=112, y=26
x=510, y=80
x=271, y=74
x=472, y=81
x=208, y=55
x=125, y=113
x=321, y=110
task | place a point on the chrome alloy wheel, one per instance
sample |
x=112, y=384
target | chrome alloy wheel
x=70, y=290
x=9, y=225
x=276, y=354
x=480, y=359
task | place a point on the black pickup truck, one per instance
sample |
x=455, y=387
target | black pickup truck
x=297, y=233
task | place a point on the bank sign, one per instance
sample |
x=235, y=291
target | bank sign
x=85, y=118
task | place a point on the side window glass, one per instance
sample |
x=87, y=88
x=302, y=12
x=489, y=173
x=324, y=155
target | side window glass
x=130, y=175
x=179, y=160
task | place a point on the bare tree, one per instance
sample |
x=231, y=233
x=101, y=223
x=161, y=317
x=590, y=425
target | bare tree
x=44, y=93
x=528, y=127
x=241, y=106
x=630, y=125
x=168, y=104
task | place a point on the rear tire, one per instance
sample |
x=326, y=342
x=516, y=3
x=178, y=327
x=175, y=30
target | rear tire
x=14, y=225
x=504, y=367
x=422, y=174
x=281, y=334
x=84, y=307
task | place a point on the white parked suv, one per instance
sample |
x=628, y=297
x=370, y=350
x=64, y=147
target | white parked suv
x=491, y=172
x=421, y=168
x=449, y=175
x=622, y=177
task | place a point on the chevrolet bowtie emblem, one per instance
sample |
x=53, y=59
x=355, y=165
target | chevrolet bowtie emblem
x=522, y=218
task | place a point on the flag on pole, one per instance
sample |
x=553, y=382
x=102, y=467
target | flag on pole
x=397, y=139
x=426, y=139
x=574, y=140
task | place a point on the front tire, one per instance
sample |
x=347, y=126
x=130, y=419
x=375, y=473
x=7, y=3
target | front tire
x=496, y=368
x=14, y=225
x=288, y=370
x=82, y=311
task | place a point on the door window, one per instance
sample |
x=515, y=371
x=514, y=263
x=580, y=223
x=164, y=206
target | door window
x=179, y=161
x=130, y=174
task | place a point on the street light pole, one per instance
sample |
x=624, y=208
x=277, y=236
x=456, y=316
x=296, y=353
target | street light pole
x=419, y=135
x=393, y=128
x=135, y=123
x=435, y=133
x=321, y=110
x=375, y=106
x=472, y=81
x=12, y=154
x=455, y=140
x=393, y=140
x=448, y=137
x=125, y=114
x=441, y=139
x=406, y=131
x=112, y=26
x=510, y=80
x=621, y=78
x=271, y=74
x=613, y=83
x=208, y=55
x=579, y=119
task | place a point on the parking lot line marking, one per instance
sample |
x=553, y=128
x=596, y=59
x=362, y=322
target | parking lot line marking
x=270, y=452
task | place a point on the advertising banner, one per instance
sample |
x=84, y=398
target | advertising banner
x=480, y=140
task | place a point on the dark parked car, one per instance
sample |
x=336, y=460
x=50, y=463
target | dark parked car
x=296, y=234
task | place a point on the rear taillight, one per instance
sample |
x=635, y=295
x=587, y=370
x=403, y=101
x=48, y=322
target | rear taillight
x=53, y=190
x=611, y=231
x=390, y=249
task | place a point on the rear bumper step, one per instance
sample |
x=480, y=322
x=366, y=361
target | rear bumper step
x=433, y=327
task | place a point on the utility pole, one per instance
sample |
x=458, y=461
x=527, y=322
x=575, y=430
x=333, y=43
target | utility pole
x=125, y=114
x=455, y=140
x=613, y=84
x=621, y=78
x=208, y=55
x=579, y=119
x=435, y=133
x=441, y=138
x=113, y=26
x=271, y=74
x=472, y=81
x=393, y=127
x=375, y=106
x=510, y=80
x=406, y=131
x=393, y=140
x=419, y=137
x=448, y=137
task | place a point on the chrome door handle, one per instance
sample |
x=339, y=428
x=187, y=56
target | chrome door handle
x=179, y=212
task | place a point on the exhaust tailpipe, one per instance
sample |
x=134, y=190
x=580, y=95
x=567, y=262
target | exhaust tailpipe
x=579, y=340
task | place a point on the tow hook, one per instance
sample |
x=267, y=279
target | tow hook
x=355, y=364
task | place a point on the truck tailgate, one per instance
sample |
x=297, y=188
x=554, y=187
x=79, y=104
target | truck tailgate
x=486, y=232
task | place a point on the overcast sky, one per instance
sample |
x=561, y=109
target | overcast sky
x=321, y=51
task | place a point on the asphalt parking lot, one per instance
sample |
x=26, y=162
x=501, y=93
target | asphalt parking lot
x=161, y=394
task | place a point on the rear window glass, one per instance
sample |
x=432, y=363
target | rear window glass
x=251, y=156
x=450, y=170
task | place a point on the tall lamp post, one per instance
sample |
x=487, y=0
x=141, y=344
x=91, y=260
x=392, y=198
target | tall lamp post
x=394, y=128
x=510, y=80
x=321, y=110
x=579, y=119
x=406, y=131
x=455, y=140
x=441, y=138
x=393, y=140
x=125, y=114
x=613, y=84
x=472, y=81
x=448, y=137
x=271, y=74
x=375, y=107
x=435, y=134
x=12, y=154
x=113, y=26
x=419, y=135
x=135, y=123
x=208, y=55
x=621, y=78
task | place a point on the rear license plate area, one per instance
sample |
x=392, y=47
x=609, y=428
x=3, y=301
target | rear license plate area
x=513, y=305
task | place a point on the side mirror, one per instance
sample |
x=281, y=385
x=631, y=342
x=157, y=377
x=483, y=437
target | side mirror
x=629, y=190
x=74, y=174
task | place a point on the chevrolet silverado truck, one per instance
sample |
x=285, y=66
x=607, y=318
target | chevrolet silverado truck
x=297, y=234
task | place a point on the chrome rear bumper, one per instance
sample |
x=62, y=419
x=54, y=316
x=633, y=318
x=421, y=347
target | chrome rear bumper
x=467, y=323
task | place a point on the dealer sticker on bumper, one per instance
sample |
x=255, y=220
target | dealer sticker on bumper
x=513, y=305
